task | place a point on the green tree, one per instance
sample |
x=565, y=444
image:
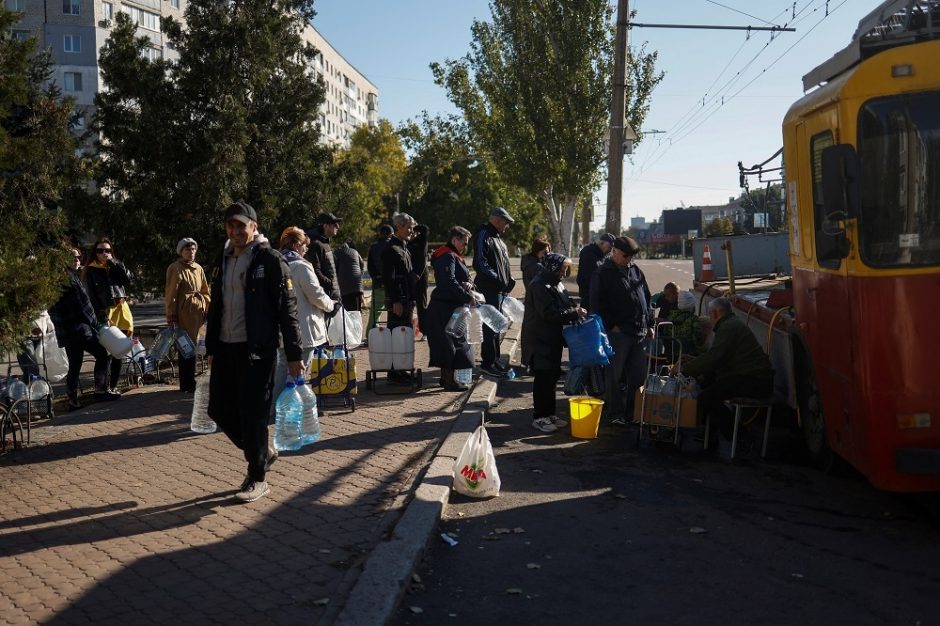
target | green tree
x=376, y=164
x=37, y=168
x=446, y=184
x=719, y=226
x=535, y=91
x=235, y=117
x=765, y=200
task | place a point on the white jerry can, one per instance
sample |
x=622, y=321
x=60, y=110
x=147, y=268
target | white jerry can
x=403, y=348
x=380, y=348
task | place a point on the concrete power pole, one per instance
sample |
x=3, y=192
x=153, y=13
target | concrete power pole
x=617, y=122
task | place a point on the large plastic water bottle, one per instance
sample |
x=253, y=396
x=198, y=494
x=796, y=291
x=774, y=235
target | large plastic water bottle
x=16, y=389
x=185, y=345
x=38, y=388
x=493, y=318
x=458, y=325
x=288, y=418
x=464, y=376
x=310, y=423
x=200, y=422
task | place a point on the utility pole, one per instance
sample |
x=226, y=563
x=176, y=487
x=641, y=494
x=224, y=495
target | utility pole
x=587, y=214
x=617, y=121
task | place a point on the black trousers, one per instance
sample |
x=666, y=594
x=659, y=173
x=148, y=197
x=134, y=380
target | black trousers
x=76, y=352
x=187, y=374
x=543, y=392
x=489, y=348
x=712, y=398
x=115, y=372
x=240, y=399
x=351, y=302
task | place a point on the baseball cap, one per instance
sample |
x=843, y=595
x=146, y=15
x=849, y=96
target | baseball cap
x=607, y=237
x=241, y=211
x=627, y=245
x=499, y=211
x=328, y=218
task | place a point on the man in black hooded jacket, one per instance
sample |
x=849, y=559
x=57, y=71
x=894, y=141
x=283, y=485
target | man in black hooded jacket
x=252, y=307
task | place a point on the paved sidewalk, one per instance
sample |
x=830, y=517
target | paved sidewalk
x=121, y=515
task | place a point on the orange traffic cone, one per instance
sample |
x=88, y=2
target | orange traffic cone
x=708, y=273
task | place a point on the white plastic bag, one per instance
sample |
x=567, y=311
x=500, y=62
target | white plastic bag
x=334, y=329
x=57, y=361
x=475, y=472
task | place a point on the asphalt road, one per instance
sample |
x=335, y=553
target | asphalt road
x=607, y=532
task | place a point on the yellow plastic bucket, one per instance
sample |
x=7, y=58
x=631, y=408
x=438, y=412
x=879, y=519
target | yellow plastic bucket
x=585, y=416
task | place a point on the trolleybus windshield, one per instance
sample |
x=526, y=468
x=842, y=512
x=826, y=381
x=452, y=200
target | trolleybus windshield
x=899, y=153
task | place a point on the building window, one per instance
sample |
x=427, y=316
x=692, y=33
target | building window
x=151, y=54
x=175, y=4
x=20, y=35
x=73, y=81
x=72, y=43
x=144, y=19
x=15, y=6
x=71, y=7
x=107, y=10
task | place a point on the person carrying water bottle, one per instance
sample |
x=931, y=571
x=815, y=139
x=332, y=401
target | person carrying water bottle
x=187, y=300
x=494, y=280
x=452, y=290
x=253, y=302
x=547, y=309
x=107, y=281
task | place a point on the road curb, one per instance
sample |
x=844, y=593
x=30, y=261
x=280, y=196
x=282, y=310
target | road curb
x=387, y=572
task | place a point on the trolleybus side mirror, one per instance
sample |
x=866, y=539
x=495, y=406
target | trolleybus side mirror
x=840, y=178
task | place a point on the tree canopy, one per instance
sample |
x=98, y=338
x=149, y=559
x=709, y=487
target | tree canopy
x=447, y=184
x=38, y=168
x=235, y=117
x=535, y=93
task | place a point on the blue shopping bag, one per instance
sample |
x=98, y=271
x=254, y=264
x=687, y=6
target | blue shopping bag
x=587, y=341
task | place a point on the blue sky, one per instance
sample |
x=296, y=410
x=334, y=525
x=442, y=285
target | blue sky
x=695, y=162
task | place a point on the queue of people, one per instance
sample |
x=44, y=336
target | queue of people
x=266, y=313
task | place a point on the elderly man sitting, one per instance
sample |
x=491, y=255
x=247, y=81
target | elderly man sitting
x=734, y=366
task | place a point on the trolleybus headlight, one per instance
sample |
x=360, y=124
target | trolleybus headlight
x=898, y=71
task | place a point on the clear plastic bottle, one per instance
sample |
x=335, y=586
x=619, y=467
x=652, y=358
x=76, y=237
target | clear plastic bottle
x=464, y=376
x=493, y=318
x=510, y=373
x=185, y=345
x=16, y=389
x=200, y=422
x=310, y=422
x=38, y=388
x=288, y=418
x=458, y=326
x=514, y=309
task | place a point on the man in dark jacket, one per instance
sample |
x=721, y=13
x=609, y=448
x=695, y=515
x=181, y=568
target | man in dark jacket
x=321, y=256
x=418, y=248
x=734, y=366
x=621, y=297
x=494, y=280
x=590, y=257
x=252, y=306
x=349, y=270
x=374, y=265
x=399, y=280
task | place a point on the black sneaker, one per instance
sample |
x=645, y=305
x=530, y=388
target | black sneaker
x=492, y=370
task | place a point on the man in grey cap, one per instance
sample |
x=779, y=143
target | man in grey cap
x=589, y=258
x=253, y=306
x=320, y=254
x=493, y=279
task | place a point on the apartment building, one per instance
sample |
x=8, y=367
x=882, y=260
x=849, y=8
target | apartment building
x=75, y=31
x=351, y=99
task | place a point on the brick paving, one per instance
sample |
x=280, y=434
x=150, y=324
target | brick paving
x=119, y=514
